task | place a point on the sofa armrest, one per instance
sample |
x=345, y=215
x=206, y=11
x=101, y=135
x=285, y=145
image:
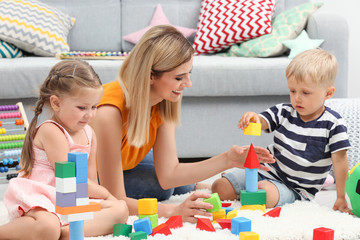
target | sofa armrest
x=334, y=30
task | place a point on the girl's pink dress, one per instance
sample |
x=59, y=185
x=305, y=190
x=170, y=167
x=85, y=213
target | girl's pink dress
x=38, y=190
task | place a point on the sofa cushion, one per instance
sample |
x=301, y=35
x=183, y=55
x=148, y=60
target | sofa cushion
x=34, y=26
x=223, y=23
x=8, y=50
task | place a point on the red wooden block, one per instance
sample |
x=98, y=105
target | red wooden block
x=205, y=224
x=162, y=229
x=251, y=159
x=174, y=222
x=226, y=204
x=275, y=212
x=323, y=233
x=224, y=223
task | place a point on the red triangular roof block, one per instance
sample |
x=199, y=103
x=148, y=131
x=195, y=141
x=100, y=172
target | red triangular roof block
x=275, y=212
x=226, y=204
x=174, y=222
x=224, y=223
x=251, y=159
x=162, y=229
x=205, y=224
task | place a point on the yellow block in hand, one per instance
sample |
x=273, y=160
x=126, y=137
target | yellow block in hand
x=253, y=129
x=147, y=206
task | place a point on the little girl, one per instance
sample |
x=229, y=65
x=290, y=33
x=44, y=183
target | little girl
x=71, y=90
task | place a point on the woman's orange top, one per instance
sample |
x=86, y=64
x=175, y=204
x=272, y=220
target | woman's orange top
x=130, y=155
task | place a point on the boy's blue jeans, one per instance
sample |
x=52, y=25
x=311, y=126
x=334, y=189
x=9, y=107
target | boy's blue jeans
x=141, y=182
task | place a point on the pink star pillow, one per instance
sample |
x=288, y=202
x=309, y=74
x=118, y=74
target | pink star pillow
x=158, y=18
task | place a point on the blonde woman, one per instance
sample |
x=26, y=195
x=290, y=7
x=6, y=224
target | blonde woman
x=135, y=126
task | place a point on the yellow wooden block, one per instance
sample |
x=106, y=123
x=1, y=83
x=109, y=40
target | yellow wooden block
x=231, y=214
x=248, y=236
x=147, y=206
x=253, y=129
x=254, y=207
x=221, y=214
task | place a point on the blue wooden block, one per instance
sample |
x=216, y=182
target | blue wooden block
x=143, y=224
x=65, y=199
x=82, y=190
x=76, y=230
x=251, y=179
x=227, y=209
x=240, y=224
x=79, y=158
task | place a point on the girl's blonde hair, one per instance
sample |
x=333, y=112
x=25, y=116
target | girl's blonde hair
x=319, y=65
x=160, y=50
x=65, y=78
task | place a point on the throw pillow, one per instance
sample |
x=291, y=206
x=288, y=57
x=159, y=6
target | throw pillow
x=34, y=26
x=158, y=18
x=8, y=50
x=302, y=43
x=286, y=25
x=223, y=23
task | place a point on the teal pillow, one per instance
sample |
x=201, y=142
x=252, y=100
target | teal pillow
x=285, y=26
x=8, y=50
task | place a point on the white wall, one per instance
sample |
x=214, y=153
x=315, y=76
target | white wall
x=350, y=10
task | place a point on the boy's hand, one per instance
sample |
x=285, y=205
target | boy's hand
x=248, y=117
x=341, y=205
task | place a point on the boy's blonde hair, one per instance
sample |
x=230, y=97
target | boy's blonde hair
x=319, y=65
x=65, y=78
x=161, y=49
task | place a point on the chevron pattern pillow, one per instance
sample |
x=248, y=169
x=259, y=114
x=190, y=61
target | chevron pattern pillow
x=223, y=23
x=8, y=50
x=34, y=26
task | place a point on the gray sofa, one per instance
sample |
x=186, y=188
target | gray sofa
x=223, y=87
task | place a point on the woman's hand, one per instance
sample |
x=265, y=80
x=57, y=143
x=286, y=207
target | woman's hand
x=237, y=156
x=248, y=117
x=192, y=207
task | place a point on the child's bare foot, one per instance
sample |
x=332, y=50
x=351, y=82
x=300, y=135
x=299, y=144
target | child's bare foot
x=201, y=185
x=64, y=233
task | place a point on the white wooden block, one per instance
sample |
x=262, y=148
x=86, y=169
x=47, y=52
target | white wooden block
x=77, y=217
x=65, y=185
x=82, y=201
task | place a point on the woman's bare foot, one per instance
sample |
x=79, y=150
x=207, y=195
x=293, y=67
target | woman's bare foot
x=201, y=185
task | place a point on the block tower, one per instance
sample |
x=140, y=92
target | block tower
x=252, y=198
x=72, y=200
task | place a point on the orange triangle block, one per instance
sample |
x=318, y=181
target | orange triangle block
x=205, y=224
x=275, y=212
x=174, y=222
x=224, y=223
x=251, y=159
x=161, y=229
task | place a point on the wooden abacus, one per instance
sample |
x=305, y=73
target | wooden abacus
x=92, y=55
x=10, y=143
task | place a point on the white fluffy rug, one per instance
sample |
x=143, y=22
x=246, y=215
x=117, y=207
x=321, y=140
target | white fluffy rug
x=296, y=221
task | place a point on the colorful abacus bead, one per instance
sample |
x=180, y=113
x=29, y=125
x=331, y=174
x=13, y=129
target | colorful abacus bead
x=9, y=107
x=10, y=115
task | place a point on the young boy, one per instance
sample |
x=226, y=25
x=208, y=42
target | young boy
x=308, y=138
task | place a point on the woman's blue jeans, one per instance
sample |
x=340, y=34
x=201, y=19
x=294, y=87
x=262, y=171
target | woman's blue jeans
x=141, y=182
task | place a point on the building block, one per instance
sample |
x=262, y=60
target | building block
x=205, y=224
x=82, y=190
x=275, y=212
x=121, y=229
x=219, y=214
x=65, y=185
x=323, y=233
x=248, y=236
x=162, y=229
x=251, y=159
x=65, y=199
x=174, y=222
x=64, y=169
x=251, y=180
x=76, y=230
x=253, y=129
x=138, y=235
x=92, y=207
x=154, y=219
x=77, y=217
x=224, y=223
x=82, y=201
x=79, y=158
x=227, y=209
x=147, y=206
x=215, y=201
x=143, y=224
x=240, y=224
x=254, y=207
x=226, y=204
x=232, y=214
x=253, y=198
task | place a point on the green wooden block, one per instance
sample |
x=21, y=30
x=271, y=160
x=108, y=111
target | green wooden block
x=154, y=219
x=121, y=229
x=215, y=201
x=253, y=198
x=138, y=235
x=65, y=169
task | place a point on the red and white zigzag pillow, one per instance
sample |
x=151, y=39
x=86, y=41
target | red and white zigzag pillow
x=223, y=23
